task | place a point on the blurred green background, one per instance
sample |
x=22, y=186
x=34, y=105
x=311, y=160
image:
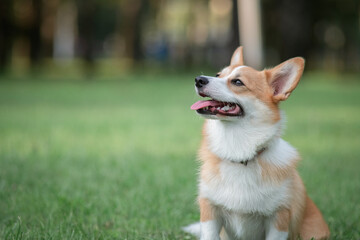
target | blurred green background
x=97, y=139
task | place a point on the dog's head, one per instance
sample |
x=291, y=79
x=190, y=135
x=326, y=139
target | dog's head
x=239, y=91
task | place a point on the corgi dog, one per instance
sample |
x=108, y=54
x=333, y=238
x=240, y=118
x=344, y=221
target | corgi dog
x=249, y=187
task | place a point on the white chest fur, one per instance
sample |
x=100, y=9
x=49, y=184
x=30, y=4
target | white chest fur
x=240, y=189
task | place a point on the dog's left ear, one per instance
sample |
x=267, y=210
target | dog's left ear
x=237, y=57
x=284, y=78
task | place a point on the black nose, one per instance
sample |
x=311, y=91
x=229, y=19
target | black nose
x=200, y=81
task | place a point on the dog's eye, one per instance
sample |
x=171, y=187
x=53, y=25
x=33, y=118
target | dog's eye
x=237, y=82
x=217, y=75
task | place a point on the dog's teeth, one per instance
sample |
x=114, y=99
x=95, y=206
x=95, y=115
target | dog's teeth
x=218, y=108
x=226, y=108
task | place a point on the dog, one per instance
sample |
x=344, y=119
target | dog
x=249, y=187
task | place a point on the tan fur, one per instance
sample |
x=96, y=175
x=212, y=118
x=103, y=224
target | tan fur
x=256, y=85
x=210, y=162
x=226, y=71
x=276, y=174
x=206, y=210
x=283, y=220
x=260, y=84
x=300, y=217
x=313, y=225
x=210, y=167
x=297, y=205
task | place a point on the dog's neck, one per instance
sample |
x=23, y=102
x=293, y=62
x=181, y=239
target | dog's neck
x=258, y=153
x=241, y=141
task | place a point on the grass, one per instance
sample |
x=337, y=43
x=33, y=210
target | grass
x=116, y=159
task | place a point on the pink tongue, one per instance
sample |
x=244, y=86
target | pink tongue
x=202, y=104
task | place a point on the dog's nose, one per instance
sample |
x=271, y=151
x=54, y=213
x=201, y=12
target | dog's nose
x=200, y=81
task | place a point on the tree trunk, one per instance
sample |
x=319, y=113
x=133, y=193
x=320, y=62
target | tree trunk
x=86, y=25
x=235, y=38
x=6, y=33
x=132, y=23
x=35, y=34
x=251, y=32
x=295, y=28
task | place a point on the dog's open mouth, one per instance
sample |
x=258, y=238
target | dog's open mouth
x=213, y=107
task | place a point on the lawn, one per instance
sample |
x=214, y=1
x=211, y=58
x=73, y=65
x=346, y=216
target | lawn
x=115, y=159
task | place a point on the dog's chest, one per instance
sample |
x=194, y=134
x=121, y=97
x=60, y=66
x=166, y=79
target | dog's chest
x=240, y=188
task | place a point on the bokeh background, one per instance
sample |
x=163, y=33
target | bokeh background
x=36, y=33
x=97, y=140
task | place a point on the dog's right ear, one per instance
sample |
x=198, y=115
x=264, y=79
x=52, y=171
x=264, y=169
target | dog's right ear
x=237, y=57
x=284, y=78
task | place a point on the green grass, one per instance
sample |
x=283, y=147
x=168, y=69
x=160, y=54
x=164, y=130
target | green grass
x=116, y=159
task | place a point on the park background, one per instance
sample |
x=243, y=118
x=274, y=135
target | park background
x=97, y=139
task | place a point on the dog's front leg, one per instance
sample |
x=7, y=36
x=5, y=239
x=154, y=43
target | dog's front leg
x=209, y=221
x=277, y=226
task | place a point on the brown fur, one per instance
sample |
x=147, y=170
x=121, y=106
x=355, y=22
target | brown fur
x=283, y=220
x=300, y=217
x=297, y=205
x=256, y=85
x=226, y=71
x=277, y=174
x=261, y=84
x=206, y=210
x=313, y=225
x=210, y=162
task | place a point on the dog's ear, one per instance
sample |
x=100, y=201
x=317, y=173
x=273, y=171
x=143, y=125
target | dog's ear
x=237, y=57
x=284, y=77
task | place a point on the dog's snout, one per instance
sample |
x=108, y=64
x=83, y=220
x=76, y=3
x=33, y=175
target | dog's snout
x=200, y=81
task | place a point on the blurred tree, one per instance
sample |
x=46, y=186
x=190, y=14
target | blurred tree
x=49, y=17
x=6, y=32
x=325, y=32
x=35, y=38
x=184, y=33
x=287, y=29
x=295, y=28
x=86, y=22
x=64, y=33
x=235, y=37
x=96, y=22
x=132, y=18
x=336, y=33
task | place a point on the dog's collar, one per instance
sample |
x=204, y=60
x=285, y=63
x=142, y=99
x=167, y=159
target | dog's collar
x=246, y=161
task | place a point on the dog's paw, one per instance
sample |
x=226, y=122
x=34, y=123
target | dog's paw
x=193, y=229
